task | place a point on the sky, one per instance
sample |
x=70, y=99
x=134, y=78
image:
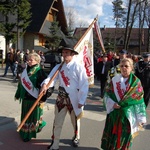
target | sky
x=86, y=10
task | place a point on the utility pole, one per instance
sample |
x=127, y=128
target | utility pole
x=17, y=25
x=148, y=38
x=140, y=31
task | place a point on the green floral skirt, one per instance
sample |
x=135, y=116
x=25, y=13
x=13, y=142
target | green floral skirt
x=116, y=136
x=34, y=123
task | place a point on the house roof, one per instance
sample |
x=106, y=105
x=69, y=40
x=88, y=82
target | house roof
x=61, y=15
x=40, y=10
x=110, y=32
x=45, y=29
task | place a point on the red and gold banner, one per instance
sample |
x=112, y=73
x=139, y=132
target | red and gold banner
x=99, y=35
x=85, y=49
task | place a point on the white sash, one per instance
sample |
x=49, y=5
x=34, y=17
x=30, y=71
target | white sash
x=133, y=117
x=73, y=97
x=27, y=84
x=119, y=86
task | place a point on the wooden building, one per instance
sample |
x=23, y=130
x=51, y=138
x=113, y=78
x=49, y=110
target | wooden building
x=43, y=12
x=108, y=36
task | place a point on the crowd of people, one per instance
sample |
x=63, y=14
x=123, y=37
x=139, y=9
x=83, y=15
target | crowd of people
x=17, y=60
x=124, y=86
x=106, y=66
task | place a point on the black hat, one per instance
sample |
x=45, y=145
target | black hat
x=145, y=55
x=67, y=43
x=123, y=51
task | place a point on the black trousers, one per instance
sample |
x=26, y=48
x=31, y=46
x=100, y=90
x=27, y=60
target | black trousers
x=103, y=80
x=146, y=96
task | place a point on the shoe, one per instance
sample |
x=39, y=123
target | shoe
x=75, y=142
x=53, y=149
x=48, y=147
x=14, y=78
x=102, y=96
x=26, y=140
x=39, y=130
x=41, y=126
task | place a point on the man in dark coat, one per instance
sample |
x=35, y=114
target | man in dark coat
x=102, y=68
x=116, y=69
x=122, y=54
x=9, y=62
x=142, y=71
x=25, y=57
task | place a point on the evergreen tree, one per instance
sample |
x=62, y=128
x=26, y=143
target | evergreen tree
x=16, y=15
x=55, y=35
x=24, y=14
x=70, y=32
x=6, y=27
x=119, y=12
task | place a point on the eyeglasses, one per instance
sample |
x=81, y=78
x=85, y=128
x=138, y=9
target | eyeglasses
x=126, y=66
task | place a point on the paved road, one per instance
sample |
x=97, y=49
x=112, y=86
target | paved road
x=91, y=124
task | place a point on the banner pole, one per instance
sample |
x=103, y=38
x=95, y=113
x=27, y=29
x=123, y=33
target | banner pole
x=90, y=26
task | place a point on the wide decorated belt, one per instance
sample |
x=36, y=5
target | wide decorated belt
x=62, y=92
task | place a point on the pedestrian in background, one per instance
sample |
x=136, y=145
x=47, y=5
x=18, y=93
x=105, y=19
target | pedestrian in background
x=115, y=59
x=32, y=51
x=25, y=56
x=9, y=62
x=72, y=94
x=135, y=60
x=125, y=108
x=42, y=59
x=27, y=92
x=102, y=72
x=17, y=61
x=142, y=71
x=110, y=55
x=116, y=69
x=21, y=56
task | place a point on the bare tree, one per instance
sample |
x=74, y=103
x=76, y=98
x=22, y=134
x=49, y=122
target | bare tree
x=142, y=18
x=132, y=14
x=119, y=12
x=147, y=20
x=70, y=16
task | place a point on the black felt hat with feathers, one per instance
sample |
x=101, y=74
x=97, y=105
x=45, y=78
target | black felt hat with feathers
x=68, y=44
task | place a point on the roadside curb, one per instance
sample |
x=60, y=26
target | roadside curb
x=6, y=120
x=47, y=107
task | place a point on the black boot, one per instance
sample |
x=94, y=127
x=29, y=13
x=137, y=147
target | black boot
x=75, y=142
x=48, y=147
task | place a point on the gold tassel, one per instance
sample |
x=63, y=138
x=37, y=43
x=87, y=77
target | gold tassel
x=80, y=115
x=135, y=134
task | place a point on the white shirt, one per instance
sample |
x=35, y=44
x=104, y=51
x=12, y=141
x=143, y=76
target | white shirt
x=73, y=78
